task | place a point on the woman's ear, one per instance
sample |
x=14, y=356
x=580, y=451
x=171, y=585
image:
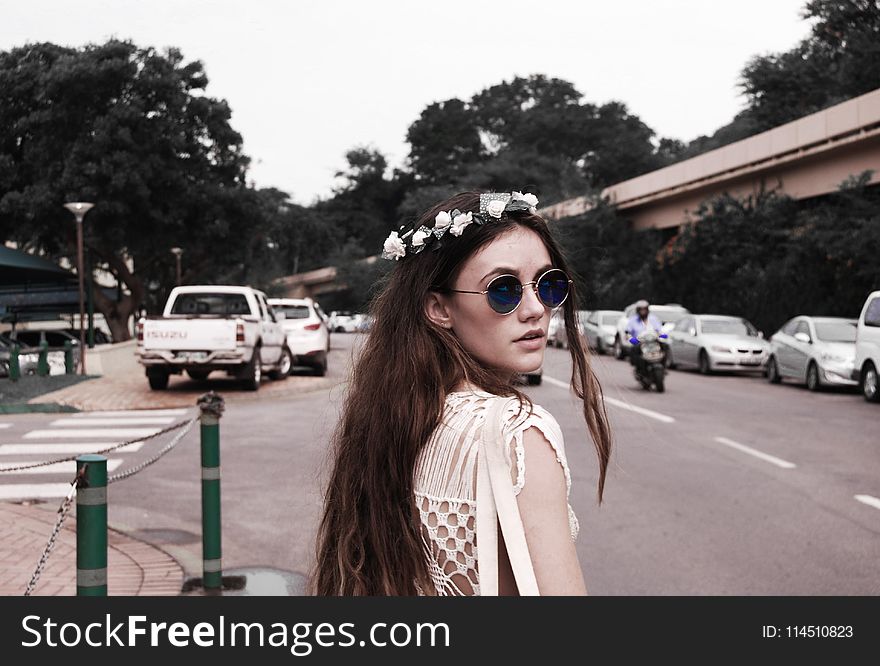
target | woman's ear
x=437, y=310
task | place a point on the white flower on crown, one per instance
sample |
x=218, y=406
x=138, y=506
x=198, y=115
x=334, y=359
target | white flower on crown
x=495, y=208
x=419, y=237
x=394, y=247
x=460, y=222
x=443, y=220
x=529, y=198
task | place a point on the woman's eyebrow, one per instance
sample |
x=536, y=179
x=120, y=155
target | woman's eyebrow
x=507, y=270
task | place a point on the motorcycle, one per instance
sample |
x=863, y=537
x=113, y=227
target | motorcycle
x=650, y=350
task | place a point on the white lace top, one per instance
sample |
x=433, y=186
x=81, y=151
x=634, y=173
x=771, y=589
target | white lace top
x=446, y=484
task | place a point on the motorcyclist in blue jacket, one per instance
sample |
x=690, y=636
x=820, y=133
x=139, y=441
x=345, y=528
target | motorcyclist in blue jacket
x=639, y=322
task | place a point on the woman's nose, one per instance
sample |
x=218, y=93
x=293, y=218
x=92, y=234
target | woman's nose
x=531, y=305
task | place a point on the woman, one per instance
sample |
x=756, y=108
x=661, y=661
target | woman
x=462, y=315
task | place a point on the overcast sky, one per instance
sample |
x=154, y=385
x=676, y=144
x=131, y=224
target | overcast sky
x=309, y=80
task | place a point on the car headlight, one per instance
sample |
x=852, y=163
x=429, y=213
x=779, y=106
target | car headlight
x=718, y=348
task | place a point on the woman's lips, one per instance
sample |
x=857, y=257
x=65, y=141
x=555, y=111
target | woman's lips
x=532, y=344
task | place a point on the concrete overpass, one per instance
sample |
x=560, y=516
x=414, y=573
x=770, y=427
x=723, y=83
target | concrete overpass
x=805, y=158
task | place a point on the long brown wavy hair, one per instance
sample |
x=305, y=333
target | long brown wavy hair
x=369, y=540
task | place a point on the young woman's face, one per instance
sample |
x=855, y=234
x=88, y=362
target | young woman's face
x=494, y=339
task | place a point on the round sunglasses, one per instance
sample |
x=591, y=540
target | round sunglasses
x=505, y=292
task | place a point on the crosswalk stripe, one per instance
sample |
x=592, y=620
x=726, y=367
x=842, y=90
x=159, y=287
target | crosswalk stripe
x=107, y=421
x=5, y=425
x=68, y=467
x=132, y=412
x=57, y=448
x=33, y=490
x=76, y=433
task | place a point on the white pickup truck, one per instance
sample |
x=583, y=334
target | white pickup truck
x=207, y=328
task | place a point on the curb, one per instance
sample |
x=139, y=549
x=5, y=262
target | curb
x=41, y=407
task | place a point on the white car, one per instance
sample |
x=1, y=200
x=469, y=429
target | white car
x=818, y=351
x=668, y=314
x=867, y=360
x=556, y=330
x=600, y=329
x=343, y=321
x=717, y=342
x=306, y=332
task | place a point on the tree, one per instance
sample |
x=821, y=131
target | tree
x=132, y=130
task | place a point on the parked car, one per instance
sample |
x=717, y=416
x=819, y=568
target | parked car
x=866, y=365
x=365, y=323
x=717, y=342
x=668, y=314
x=29, y=341
x=306, y=331
x=600, y=328
x=818, y=351
x=344, y=321
x=556, y=330
x=208, y=327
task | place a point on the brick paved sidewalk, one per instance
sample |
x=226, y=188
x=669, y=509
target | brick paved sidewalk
x=133, y=567
x=132, y=392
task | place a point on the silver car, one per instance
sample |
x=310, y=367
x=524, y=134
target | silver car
x=599, y=328
x=717, y=342
x=818, y=351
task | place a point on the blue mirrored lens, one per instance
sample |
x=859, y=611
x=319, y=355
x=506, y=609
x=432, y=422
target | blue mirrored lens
x=505, y=293
x=553, y=288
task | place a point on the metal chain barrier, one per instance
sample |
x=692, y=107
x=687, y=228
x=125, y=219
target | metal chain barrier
x=63, y=510
x=164, y=431
x=146, y=463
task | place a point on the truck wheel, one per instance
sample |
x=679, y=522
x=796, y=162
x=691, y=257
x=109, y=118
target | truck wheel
x=284, y=366
x=321, y=369
x=253, y=374
x=158, y=380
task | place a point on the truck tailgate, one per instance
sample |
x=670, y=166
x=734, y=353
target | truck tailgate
x=189, y=334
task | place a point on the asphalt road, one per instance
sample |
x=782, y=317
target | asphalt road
x=722, y=485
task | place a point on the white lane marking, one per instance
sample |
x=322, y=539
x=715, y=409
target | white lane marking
x=162, y=420
x=34, y=491
x=618, y=403
x=5, y=425
x=115, y=433
x=54, y=468
x=133, y=412
x=779, y=462
x=869, y=500
x=52, y=448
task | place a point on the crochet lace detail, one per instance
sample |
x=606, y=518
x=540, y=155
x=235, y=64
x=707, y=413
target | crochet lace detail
x=446, y=485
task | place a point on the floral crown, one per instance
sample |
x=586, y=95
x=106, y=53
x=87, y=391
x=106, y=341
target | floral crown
x=493, y=205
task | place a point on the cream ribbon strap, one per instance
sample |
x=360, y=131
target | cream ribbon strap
x=496, y=503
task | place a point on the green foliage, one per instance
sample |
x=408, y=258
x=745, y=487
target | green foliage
x=132, y=130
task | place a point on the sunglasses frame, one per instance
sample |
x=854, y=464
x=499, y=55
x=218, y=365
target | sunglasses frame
x=533, y=284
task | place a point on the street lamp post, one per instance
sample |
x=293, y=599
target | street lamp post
x=177, y=251
x=79, y=210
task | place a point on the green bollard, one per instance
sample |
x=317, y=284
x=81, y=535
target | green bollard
x=91, y=527
x=14, y=365
x=69, y=367
x=43, y=360
x=211, y=405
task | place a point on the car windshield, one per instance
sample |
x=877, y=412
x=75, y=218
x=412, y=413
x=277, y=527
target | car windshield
x=610, y=319
x=843, y=331
x=210, y=304
x=294, y=311
x=727, y=327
